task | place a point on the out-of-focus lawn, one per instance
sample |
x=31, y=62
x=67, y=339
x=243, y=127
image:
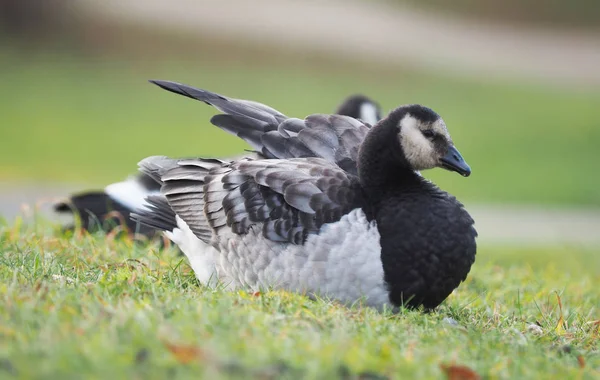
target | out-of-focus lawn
x=91, y=120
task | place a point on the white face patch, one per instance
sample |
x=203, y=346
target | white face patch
x=368, y=113
x=418, y=150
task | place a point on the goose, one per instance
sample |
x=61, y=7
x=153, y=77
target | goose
x=360, y=107
x=105, y=209
x=336, y=208
x=111, y=207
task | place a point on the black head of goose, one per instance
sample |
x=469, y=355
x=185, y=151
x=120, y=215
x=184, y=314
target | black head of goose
x=105, y=209
x=338, y=210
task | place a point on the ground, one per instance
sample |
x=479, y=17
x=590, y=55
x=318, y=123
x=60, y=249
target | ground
x=97, y=306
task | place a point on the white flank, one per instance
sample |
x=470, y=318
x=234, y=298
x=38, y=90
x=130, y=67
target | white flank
x=200, y=255
x=342, y=262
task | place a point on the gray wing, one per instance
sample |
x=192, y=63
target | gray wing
x=181, y=184
x=156, y=213
x=289, y=198
x=335, y=138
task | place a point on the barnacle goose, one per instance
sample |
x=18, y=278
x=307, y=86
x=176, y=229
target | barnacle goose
x=336, y=209
x=111, y=207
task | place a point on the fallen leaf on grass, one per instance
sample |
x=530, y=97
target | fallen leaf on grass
x=185, y=353
x=459, y=372
x=581, y=361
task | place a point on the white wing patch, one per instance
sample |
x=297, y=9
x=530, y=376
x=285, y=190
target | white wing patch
x=130, y=193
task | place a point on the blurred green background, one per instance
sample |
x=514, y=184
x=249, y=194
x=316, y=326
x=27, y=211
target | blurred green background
x=573, y=14
x=75, y=105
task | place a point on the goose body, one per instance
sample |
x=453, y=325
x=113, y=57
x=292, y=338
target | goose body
x=336, y=208
x=113, y=205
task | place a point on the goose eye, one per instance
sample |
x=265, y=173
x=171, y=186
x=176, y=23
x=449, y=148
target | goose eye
x=428, y=133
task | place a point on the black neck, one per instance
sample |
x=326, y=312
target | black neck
x=427, y=239
x=381, y=163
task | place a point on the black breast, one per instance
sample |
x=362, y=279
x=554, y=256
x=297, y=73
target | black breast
x=427, y=243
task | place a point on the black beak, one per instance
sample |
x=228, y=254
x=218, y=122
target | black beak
x=454, y=162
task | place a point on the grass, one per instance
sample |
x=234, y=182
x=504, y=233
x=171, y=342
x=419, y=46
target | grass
x=95, y=307
x=89, y=119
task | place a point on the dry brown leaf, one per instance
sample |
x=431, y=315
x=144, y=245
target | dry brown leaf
x=459, y=372
x=581, y=361
x=185, y=353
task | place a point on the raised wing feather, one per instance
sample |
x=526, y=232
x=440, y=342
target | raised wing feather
x=335, y=138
